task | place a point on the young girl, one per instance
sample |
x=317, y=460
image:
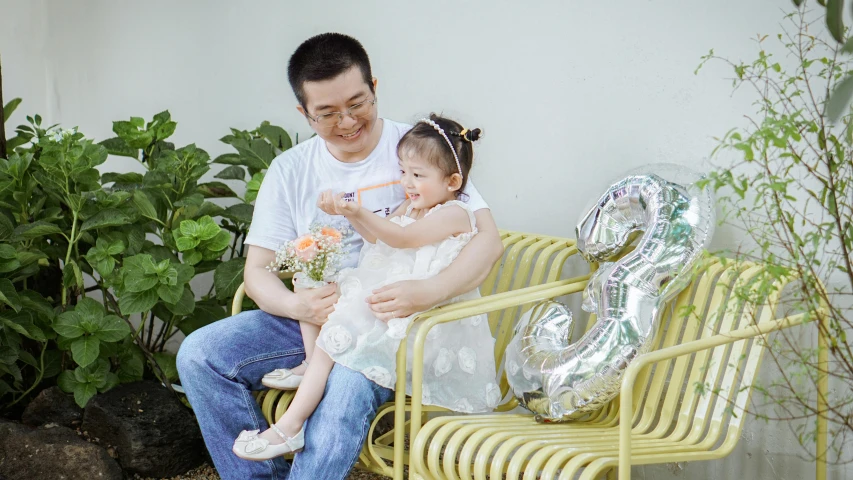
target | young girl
x=417, y=241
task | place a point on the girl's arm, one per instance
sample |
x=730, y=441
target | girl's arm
x=331, y=204
x=366, y=234
x=448, y=221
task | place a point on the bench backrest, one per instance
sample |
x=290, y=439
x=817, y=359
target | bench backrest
x=528, y=260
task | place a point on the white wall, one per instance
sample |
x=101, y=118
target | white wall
x=570, y=95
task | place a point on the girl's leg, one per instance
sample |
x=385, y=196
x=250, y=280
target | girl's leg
x=310, y=332
x=307, y=397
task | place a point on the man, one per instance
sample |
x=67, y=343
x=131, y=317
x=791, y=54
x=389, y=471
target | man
x=354, y=151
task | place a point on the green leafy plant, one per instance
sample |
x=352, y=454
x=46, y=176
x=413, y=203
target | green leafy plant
x=790, y=194
x=96, y=269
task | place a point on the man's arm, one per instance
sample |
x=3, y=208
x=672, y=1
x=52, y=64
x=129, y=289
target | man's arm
x=268, y=291
x=467, y=272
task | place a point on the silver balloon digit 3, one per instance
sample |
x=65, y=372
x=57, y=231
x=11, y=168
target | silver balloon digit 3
x=559, y=380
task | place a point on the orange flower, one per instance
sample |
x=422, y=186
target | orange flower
x=333, y=234
x=306, y=248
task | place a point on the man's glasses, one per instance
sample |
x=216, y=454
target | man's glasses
x=333, y=119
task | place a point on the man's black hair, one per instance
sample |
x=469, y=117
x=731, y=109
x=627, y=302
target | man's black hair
x=324, y=57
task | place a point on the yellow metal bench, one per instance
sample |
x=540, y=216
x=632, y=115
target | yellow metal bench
x=663, y=417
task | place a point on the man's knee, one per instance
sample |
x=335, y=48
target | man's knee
x=352, y=392
x=191, y=353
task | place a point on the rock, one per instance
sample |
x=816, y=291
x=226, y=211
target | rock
x=52, y=405
x=51, y=452
x=150, y=431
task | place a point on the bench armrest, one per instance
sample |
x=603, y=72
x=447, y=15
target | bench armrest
x=634, y=368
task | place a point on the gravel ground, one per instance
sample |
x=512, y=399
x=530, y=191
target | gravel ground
x=207, y=472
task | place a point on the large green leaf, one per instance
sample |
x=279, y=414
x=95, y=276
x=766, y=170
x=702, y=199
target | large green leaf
x=37, y=229
x=139, y=283
x=254, y=186
x=229, y=159
x=189, y=228
x=207, y=208
x=137, y=302
x=9, y=295
x=228, y=277
x=94, y=155
x=111, y=329
x=89, y=309
x=185, y=305
x=835, y=19
x=66, y=381
x=167, y=363
x=83, y=392
x=234, y=172
x=130, y=179
x=840, y=99
x=10, y=107
x=240, y=213
x=170, y=293
x=7, y=266
x=28, y=257
x=186, y=243
x=144, y=206
x=257, y=153
x=7, y=252
x=193, y=257
x=118, y=146
x=276, y=135
x=34, y=302
x=68, y=324
x=207, y=228
x=23, y=325
x=106, y=218
x=218, y=243
x=85, y=350
x=165, y=130
x=196, y=199
x=216, y=190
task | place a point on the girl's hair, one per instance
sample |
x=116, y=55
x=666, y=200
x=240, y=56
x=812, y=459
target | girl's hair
x=424, y=139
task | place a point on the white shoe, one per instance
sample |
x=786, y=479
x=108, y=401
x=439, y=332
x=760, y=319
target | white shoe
x=282, y=379
x=260, y=449
x=247, y=436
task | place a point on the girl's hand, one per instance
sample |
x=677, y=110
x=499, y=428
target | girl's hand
x=336, y=205
x=347, y=208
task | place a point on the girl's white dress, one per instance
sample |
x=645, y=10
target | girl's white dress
x=459, y=361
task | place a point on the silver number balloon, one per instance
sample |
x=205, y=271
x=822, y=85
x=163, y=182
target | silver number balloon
x=559, y=380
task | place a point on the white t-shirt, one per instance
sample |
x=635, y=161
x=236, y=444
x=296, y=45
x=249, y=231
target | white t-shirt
x=286, y=206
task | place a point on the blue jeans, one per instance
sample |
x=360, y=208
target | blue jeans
x=222, y=363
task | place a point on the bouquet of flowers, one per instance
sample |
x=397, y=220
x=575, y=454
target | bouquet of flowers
x=315, y=257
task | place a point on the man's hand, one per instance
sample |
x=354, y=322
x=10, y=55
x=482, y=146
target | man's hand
x=401, y=299
x=314, y=305
x=334, y=204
